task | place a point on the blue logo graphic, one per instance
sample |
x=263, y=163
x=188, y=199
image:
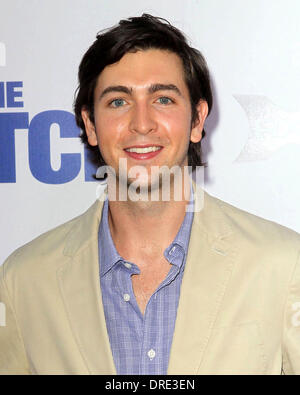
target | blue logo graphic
x=38, y=141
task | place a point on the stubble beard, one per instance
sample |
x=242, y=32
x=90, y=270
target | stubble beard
x=159, y=181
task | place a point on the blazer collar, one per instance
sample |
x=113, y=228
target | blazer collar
x=209, y=217
x=85, y=229
x=79, y=283
x=209, y=264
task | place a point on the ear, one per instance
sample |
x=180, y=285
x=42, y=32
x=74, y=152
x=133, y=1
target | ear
x=197, y=127
x=89, y=127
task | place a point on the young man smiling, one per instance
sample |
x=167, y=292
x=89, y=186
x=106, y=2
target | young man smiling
x=149, y=107
x=147, y=287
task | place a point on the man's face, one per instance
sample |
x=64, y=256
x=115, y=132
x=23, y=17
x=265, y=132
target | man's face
x=142, y=112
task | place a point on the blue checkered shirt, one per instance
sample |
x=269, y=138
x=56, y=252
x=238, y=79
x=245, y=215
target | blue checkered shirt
x=140, y=343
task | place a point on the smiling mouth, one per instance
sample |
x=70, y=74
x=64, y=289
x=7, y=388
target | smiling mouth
x=143, y=153
x=143, y=150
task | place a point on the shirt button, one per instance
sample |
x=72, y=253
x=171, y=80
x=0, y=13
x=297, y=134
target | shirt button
x=151, y=354
x=128, y=265
x=172, y=250
x=126, y=297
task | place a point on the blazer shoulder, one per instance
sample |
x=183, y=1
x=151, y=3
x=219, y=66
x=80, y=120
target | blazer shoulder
x=253, y=226
x=47, y=248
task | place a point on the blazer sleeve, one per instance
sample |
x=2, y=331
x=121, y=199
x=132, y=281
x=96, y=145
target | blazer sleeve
x=291, y=330
x=13, y=360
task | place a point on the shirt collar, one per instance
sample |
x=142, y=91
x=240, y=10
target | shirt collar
x=109, y=255
x=183, y=236
x=107, y=251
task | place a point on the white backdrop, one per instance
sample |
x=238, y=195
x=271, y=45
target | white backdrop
x=253, y=134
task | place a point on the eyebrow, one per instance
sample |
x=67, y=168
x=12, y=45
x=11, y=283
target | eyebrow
x=164, y=87
x=116, y=88
x=152, y=89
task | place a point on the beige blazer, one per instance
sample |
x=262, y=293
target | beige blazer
x=239, y=308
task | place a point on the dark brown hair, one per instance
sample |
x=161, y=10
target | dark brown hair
x=131, y=35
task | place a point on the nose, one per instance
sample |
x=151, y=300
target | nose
x=142, y=120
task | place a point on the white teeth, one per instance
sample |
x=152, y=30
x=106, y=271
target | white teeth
x=143, y=150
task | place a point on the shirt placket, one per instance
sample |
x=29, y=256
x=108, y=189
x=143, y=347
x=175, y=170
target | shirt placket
x=151, y=348
x=124, y=283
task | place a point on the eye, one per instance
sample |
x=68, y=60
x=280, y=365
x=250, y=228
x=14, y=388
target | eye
x=165, y=100
x=117, y=103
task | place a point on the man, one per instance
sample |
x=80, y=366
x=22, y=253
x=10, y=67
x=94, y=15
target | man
x=145, y=286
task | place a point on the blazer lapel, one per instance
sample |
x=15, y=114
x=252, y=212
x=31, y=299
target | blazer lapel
x=207, y=272
x=79, y=283
x=208, y=268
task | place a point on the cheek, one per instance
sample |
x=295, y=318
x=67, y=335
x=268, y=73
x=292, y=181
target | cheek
x=110, y=134
x=109, y=131
x=178, y=129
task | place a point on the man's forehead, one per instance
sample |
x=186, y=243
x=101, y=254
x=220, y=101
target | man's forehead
x=143, y=69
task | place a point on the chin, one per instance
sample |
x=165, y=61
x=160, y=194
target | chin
x=144, y=183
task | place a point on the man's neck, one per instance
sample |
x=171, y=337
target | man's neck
x=141, y=231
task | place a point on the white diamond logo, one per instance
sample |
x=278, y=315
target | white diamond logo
x=271, y=127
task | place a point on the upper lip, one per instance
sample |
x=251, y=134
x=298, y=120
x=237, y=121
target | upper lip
x=143, y=146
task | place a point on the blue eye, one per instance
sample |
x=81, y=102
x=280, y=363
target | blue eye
x=118, y=102
x=165, y=100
